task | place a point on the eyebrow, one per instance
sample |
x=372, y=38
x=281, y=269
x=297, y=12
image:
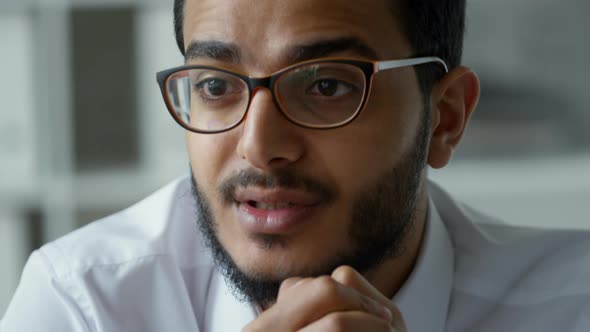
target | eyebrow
x=230, y=52
x=213, y=49
x=323, y=48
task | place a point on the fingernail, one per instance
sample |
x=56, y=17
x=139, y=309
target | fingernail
x=386, y=314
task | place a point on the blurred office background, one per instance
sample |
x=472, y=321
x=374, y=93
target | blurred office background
x=84, y=133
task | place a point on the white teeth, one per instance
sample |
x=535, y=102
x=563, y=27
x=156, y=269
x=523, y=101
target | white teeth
x=264, y=206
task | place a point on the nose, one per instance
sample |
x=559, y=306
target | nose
x=268, y=140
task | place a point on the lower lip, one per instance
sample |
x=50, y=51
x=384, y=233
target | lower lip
x=279, y=221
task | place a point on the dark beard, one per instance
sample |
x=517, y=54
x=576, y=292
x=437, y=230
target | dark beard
x=381, y=217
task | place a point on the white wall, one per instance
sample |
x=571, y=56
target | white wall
x=551, y=192
x=17, y=122
x=18, y=176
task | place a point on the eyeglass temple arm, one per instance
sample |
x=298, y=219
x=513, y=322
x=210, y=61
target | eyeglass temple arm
x=391, y=64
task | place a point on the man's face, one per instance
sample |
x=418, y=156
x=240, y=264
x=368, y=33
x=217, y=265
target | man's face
x=278, y=200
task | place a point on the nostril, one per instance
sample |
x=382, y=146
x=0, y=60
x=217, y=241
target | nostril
x=281, y=161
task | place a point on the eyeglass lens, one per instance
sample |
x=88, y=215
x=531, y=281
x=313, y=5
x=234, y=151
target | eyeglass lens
x=316, y=95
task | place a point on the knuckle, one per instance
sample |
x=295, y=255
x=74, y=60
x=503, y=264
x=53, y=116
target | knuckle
x=345, y=275
x=286, y=284
x=326, y=287
x=325, y=293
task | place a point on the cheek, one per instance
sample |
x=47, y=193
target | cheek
x=369, y=146
x=396, y=112
x=395, y=109
x=208, y=155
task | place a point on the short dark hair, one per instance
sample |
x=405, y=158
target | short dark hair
x=432, y=27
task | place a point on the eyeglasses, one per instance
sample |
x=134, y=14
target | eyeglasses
x=319, y=94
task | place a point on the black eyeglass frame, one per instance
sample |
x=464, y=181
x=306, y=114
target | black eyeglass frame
x=368, y=67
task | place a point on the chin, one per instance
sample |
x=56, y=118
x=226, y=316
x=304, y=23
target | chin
x=281, y=260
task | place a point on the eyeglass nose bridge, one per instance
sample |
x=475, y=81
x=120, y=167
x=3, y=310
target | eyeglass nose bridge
x=257, y=83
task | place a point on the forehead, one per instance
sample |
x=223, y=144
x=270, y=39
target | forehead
x=263, y=30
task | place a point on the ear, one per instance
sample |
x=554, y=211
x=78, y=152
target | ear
x=452, y=101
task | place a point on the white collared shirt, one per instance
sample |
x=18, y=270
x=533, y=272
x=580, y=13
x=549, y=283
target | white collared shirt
x=145, y=269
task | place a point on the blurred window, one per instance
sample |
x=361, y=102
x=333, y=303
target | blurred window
x=532, y=59
x=104, y=89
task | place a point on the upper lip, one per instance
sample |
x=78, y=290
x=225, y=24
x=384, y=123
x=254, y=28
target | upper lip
x=275, y=196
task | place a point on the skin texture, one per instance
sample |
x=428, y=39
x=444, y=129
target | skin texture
x=346, y=159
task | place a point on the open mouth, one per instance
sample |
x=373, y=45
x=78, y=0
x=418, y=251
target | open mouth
x=274, y=199
x=270, y=206
x=274, y=211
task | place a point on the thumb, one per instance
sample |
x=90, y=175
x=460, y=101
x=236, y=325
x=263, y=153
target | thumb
x=349, y=277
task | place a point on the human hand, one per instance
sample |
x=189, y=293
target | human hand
x=343, y=301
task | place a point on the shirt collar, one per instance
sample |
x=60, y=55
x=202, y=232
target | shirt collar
x=424, y=298
x=223, y=311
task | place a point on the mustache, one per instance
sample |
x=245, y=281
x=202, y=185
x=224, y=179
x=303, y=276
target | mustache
x=286, y=179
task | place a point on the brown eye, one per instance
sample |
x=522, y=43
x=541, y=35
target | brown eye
x=330, y=88
x=212, y=87
x=327, y=87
